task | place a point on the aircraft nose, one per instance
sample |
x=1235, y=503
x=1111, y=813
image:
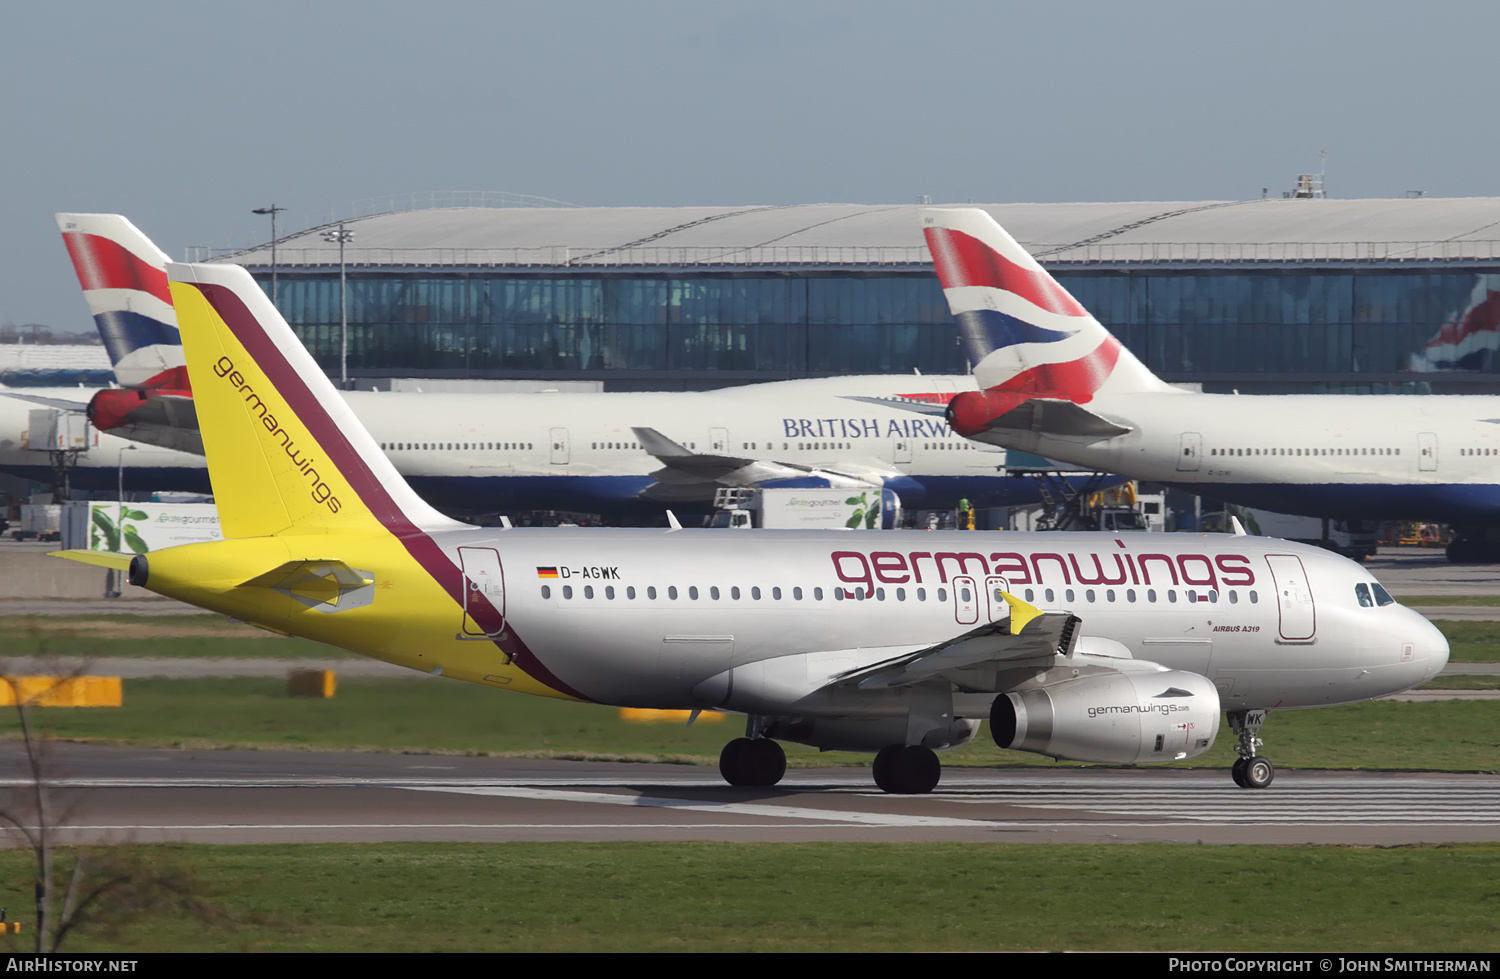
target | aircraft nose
x=1424, y=649
x=1400, y=650
x=1434, y=644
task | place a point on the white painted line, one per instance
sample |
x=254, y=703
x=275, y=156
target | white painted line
x=725, y=808
x=254, y=826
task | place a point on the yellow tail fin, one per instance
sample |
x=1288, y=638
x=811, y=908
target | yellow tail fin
x=285, y=453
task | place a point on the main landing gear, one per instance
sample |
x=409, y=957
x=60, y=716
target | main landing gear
x=1250, y=771
x=907, y=769
x=901, y=769
x=756, y=762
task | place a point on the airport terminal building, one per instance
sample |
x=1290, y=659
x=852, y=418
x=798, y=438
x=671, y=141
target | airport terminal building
x=1277, y=295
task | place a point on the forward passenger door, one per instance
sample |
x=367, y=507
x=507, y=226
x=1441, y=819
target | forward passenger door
x=1294, y=597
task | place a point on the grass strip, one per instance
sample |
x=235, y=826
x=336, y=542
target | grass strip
x=96, y=636
x=437, y=716
x=1461, y=682
x=808, y=897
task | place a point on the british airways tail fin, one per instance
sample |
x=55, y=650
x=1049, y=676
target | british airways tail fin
x=1024, y=333
x=285, y=453
x=124, y=280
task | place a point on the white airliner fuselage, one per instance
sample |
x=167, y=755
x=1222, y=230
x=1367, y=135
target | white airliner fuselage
x=764, y=623
x=577, y=451
x=1372, y=457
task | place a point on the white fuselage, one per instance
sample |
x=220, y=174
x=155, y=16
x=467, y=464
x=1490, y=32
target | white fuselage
x=557, y=450
x=762, y=621
x=1376, y=457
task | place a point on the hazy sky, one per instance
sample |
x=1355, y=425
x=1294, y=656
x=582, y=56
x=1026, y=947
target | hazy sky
x=184, y=116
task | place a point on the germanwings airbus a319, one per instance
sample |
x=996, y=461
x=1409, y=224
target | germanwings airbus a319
x=594, y=452
x=1097, y=647
x=1053, y=381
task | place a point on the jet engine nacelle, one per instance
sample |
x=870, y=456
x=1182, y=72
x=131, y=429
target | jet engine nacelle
x=1119, y=718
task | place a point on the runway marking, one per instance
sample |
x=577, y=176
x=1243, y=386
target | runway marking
x=1370, y=803
x=1101, y=801
x=694, y=805
x=245, y=826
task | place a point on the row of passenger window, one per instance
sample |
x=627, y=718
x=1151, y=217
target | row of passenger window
x=455, y=446
x=859, y=594
x=1049, y=596
x=1310, y=452
x=1368, y=596
x=755, y=594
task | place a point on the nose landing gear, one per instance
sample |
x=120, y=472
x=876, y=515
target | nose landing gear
x=1250, y=771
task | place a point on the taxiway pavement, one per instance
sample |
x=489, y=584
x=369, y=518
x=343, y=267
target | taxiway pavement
x=116, y=795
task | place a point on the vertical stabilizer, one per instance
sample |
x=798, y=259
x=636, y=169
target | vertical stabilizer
x=124, y=280
x=1024, y=333
x=285, y=453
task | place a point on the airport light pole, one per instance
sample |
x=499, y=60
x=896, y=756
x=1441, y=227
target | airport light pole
x=271, y=211
x=113, y=584
x=342, y=237
x=120, y=490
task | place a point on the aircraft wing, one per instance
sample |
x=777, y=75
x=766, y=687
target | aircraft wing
x=690, y=476
x=988, y=658
x=905, y=404
x=708, y=466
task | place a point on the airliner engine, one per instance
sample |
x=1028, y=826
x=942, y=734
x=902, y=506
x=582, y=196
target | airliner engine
x=1116, y=717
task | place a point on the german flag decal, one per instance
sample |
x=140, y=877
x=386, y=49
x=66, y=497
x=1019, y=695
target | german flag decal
x=546, y=572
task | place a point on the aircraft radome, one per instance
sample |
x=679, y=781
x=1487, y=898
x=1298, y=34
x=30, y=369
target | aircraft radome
x=1053, y=381
x=1098, y=647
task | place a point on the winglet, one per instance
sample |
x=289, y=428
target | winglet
x=1021, y=612
x=659, y=445
x=1235, y=526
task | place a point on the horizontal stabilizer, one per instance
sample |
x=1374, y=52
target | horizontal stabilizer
x=168, y=418
x=102, y=559
x=1056, y=417
x=61, y=404
x=327, y=586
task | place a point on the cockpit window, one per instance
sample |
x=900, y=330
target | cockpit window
x=1362, y=592
x=1382, y=597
